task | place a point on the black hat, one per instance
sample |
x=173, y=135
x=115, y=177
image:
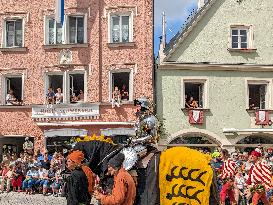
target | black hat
x=116, y=161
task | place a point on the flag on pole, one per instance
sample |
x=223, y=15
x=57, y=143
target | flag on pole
x=59, y=13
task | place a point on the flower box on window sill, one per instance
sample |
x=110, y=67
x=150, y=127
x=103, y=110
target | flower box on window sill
x=13, y=49
x=246, y=50
x=63, y=46
x=128, y=44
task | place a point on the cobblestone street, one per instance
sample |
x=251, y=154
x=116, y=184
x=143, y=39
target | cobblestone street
x=14, y=198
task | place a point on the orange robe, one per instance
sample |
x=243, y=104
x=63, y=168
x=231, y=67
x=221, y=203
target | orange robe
x=124, y=190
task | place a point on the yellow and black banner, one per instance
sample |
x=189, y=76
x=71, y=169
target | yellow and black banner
x=185, y=177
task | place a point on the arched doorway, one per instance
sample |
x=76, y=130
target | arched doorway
x=196, y=141
x=251, y=142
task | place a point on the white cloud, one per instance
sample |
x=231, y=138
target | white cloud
x=175, y=10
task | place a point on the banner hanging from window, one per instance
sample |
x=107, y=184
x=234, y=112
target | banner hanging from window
x=196, y=116
x=262, y=117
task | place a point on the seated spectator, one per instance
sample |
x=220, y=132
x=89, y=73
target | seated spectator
x=11, y=99
x=124, y=93
x=59, y=96
x=48, y=179
x=73, y=98
x=17, y=176
x=80, y=97
x=31, y=177
x=50, y=97
x=6, y=178
x=56, y=185
x=41, y=173
x=116, y=97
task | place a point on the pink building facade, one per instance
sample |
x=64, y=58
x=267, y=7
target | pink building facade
x=101, y=45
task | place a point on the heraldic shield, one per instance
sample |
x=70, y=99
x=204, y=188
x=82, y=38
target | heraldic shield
x=185, y=177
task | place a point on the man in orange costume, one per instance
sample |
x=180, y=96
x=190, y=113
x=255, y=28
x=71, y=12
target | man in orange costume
x=80, y=184
x=124, y=190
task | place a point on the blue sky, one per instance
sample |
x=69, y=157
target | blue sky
x=176, y=11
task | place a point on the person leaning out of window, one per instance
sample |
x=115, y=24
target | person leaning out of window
x=50, y=96
x=124, y=93
x=116, y=97
x=11, y=99
x=190, y=102
x=59, y=96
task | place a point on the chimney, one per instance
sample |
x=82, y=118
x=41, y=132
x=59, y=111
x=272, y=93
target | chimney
x=201, y=3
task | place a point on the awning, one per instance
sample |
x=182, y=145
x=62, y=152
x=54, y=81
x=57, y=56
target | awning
x=65, y=132
x=118, y=131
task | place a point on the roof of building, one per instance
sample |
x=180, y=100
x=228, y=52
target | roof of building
x=190, y=23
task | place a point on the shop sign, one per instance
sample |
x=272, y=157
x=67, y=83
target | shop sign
x=65, y=111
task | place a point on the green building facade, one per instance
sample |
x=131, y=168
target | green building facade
x=223, y=59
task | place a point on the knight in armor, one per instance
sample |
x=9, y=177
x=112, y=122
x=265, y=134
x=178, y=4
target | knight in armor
x=259, y=178
x=124, y=189
x=80, y=183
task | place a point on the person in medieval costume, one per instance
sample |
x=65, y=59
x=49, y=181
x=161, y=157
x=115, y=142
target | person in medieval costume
x=28, y=146
x=259, y=178
x=124, y=190
x=80, y=183
x=228, y=171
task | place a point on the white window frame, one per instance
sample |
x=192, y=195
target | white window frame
x=268, y=95
x=46, y=80
x=4, y=85
x=131, y=25
x=84, y=72
x=131, y=82
x=66, y=23
x=66, y=83
x=46, y=31
x=201, y=80
x=4, y=31
x=250, y=35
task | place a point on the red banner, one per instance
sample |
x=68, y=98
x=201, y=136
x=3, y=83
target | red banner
x=196, y=116
x=262, y=117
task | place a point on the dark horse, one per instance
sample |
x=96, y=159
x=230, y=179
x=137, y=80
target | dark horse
x=98, y=152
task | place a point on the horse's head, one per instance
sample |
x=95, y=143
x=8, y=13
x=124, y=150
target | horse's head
x=97, y=152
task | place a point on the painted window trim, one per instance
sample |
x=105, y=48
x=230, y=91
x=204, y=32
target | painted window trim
x=65, y=29
x=4, y=31
x=66, y=83
x=250, y=37
x=85, y=27
x=46, y=31
x=4, y=84
x=260, y=81
x=131, y=26
x=84, y=72
x=203, y=80
x=131, y=82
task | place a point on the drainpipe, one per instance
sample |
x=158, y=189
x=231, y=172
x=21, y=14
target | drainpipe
x=100, y=52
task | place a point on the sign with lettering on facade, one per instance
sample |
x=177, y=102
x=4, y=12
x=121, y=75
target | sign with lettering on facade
x=83, y=110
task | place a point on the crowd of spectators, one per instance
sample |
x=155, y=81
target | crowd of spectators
x=32, y=173
x=235, y=189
